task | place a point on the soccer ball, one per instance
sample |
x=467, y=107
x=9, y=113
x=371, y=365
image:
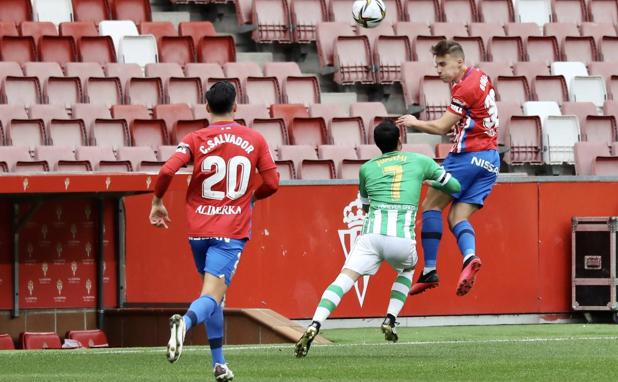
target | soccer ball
x=368, y=13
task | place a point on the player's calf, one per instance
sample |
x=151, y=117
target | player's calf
x=304, y=343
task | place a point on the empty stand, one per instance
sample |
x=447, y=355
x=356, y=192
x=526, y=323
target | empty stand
x=506, y=110
x=112, y=133
x=139, y=50
x=390, y=53
x=582, y=49
x=8, y=28
x=305, y=16
x=249, y=112
x=423, y=11
x=272, y=20
x=288, y=111
x=26, y=132
x=216, y=49
x=523, y=30
x=487, y=30
x=542, y=49
x=353, y=59
x=64, y=91
x=262, y=89
x=328, y=111
x=543, y=109
x=368, y=111
x=421, y=47
x=531, y=69
x=449, y=29
x=317, y=169
x=103, y=91
x=419, y=148
x=99, y=49
x=589, y=89
x=579, y=109
x=348, y=131
x=411, y=30
x=273, y=130
x=48, y=112
x=12, y=155
x=186, y=126
x=597, y=31
x=171, y=114
x=135, y=10
x=606, y=166
x=507, y=50
x=36, y=29
x=301, y=89
x=116, y=30
x=158, y=29
x=83, y=71
x=204, y=72
x=459, y=10
x=435, y=95
x=196, y=30
x=474, y=49
x=91, y=10
x=96, y=154
x=603, y=11
x=536, y=11
x=21, y=91
x=338, y=154
x=141, y=158
x=297, y=154
x=67, y=132
x=550, y=88
x=89, y=112
x=130, y=112
x=281, y=70
x=89, y=338
x=78, y=29
x=513, y=88
x=144, y=91
x=366, y=152
x=307, y=131
x=179, y=49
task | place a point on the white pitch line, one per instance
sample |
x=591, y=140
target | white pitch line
x=290, y=345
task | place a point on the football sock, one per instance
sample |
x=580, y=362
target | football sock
x=214, y=330
x=431, y=233
x=464, y=232
x=332, y=296
x=399, y=292
x=199, y=311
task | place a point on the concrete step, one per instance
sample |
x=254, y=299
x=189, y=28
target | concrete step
x=344, y=99
x=173, y=17
x=259, y=58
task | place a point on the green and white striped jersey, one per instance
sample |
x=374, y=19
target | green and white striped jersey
x=391, y=185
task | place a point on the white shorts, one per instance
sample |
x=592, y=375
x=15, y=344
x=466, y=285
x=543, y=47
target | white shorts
x=370, y=250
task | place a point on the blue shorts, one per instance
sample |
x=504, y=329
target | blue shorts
x=477, y=173
x=217, y=256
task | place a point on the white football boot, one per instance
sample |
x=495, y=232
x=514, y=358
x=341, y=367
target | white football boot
x=177, y=338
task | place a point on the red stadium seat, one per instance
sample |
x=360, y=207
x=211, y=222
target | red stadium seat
x=579, y=109
x=350, y=168
x=130, y=112
x=560, y=31
x=204, y=72
x=424, y=11
x=9, y=68
x=262, y=89
x=89, y=112
x=305, y=16
x=89, y=338
x=64, y=91
x=99, y=49
x=173, y=113
x=273, y=130
x=530, y=69
x=6, y=342
x=60, y=49
x=459, y=10
x=60, y=158
x=586, y=154
x=389, y=54
x=11, y=155
x=347, y=131
x=367, y=152
x=78, y=29
x=421, y=47
x=16, y=11
x=91, y=10
x=297, y=153
x=339, y=11
x=281, y=70
x=367, y=111
x=301, y=89
x=95, y=154
x=524, y=140
x=507, y=50
x=288, y=111
x=353, y=60
x=144, y=91
x=40, y=340
x=286, y=169
x=244, y=13
x=544, y=49
x=382, y=29
x=419, y=148
x=26, y=132
x=599, y=128
x=550, y=88
x=250, y=112
x=196, y=30
x=112, y=133
x=48, y=112
x=7, y=113
x=124, y=72
x=142, y=158
x=18, y=49
x=435, y=96
x=135, y=10
x=317, y=169
x=603, y=11
x=148, y=132
x=474, y=48
x=42, y=70
x=83, y=71
x=326, y=36
x=523, y=30
x=496, y=69
x=328, y=111
x=513, y=88
x=103, y=91
x=36, y=29
x=8, y=28
x=272, y=20
x=184, y=127
x=486, y=30
x=411, y=74
x=569, y=11
x=582, y=49
x=597, y=31
x=24, y=91
x=442, y=150
x=178, y=49
x=411, y=30
x=216, y=49
x=496, y=11
x=158, y=29
x=605, y=166
x=308, y=131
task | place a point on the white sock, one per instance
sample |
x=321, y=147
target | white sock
x=399, y=292
x=469, y=255
x=428, y=269
x=332, y=296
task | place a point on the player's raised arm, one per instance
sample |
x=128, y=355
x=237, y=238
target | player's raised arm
x=440, y=126
x=439, y=178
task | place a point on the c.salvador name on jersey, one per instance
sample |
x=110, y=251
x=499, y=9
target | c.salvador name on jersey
x=227, y=138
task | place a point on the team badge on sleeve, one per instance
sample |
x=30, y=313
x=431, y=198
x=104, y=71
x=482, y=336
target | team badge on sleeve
x=182, y=148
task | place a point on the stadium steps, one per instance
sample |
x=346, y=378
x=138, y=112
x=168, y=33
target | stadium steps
x=343, y=99
x=150, y=327
x=259, y=58
x=175, y=17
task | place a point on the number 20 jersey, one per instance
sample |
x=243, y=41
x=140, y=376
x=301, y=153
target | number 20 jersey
x=225, y=158
x=474, y=99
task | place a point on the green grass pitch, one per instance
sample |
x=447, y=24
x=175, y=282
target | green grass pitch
x=557, y=352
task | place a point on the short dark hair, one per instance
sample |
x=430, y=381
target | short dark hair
x=221, y=97
x=386, y=136
x=446, y=46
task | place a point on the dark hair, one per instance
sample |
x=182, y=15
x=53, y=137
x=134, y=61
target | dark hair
x=221, y=97
x=445, y=47
x=386, y=136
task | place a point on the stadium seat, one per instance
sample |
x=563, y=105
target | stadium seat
x=531, y=69
x=26, y=132
x=411, y=74
x=7, y=113
x=603, y=11
x=56, y=11
x=16, y=11
x=367, y=152
x=135, y=10
x=609, y=48
x=273, y=130
x=435, y=96
x=36, y=29
x=382, y=29
x=496, y=11
x=305, y=16
x=249, y=112
x=542, y=109
x=177, y=49
x=184, y=90
x=411, y=30
x=48, y=112
x=542, y=49
x=612, y=86
x=130, y=112
x=288, y=111
x=597, y=31
x=286, y=169
x=586, y=154
x=64, y=91
x=204, y=72
x=569, y=70
x=89, y=112
x=307, y=131
x=390, y=53
x=579, y=109
x=42, y=70
x=442, y=150
x=216, y=49
x=184, y=127
x=141, y=158
x=11, y=155
x=599, y=129
x=506, y=110
x=196, y=30
x=281, y=70
x=347, y=131
x=525, y=141
x=200, y=111
x=353, y=61
x=589, y=89
x=463, y=11
x=60, y=49
x=368, y=111
x=423, y=11
x=560, y=135
x=536, y=11
x=487, y=30
x=139, y=50
x=550, y=88
x=18, y=49
x=611, y=108
x=116, y=30
x=171, y=114
x=103, y=91
x=24, y=91
x=95, y=154
x=569, y=11
x=328, y=111
x=327, y=33
x=262, y=89
x=78, y=29
x=301, y=89
x=57, y=157
x=560, y=31
x=523, y=30
x=244, y=13
x=395, y=11
x=272, y=20
x=421, y=48
x=507, y=50
x=605, y=166
x=8, y=28
x=91, y=10
x=419, y=148
x=242, y=70
x=474, y=49
x=6, y=342
x=582, y=49
x=317, y=169
x=338, y=154
x=99, y=49
x=111, y=133
x=83, y=71
x=157, y=29
x=89, y=338
x=339, y=11
x=40, y=340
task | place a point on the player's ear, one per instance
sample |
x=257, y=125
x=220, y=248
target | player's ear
x=234, y=107
x=208, y=108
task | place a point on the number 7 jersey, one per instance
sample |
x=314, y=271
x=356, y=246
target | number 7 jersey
x=474, y=99
x=225, y=157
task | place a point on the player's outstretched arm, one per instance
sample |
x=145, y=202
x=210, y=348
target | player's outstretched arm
x=270, y=184
x=446, y=183
x=158, y=213
x=439, y=126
